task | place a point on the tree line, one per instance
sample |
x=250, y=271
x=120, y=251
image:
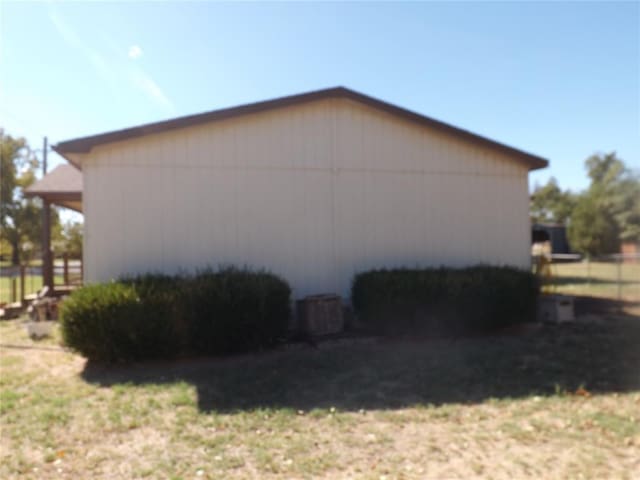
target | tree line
x=599, y=218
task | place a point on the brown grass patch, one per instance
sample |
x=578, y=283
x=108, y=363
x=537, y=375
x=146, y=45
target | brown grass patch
x=498, y=407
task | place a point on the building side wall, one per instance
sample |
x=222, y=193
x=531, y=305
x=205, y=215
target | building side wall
x=314, y=192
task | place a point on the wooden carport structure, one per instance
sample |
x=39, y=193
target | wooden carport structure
x=62, y=186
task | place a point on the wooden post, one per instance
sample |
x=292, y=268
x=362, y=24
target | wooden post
x=65, y=274
x=619, y=262
x=13, y=289
x=22, y=274
x=47, y=265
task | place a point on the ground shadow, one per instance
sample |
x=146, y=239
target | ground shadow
x=568, y=280
x=601, y=354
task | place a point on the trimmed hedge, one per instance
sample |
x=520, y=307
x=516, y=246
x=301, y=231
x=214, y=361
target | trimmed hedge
x=444, y=301
x=111, y=323
x=237, y=311
x=161, y=316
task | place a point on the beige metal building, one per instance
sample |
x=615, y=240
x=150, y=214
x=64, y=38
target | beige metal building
x=314, y=187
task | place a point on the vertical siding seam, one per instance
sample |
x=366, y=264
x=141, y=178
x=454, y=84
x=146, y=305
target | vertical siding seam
x=365, y=188
x=86, y=207
x=172, y=206
x=334, y=178
x=119, y=196
x=524, y=188
x=236, y=193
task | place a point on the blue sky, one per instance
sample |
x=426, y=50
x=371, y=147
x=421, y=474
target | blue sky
x=561, y=80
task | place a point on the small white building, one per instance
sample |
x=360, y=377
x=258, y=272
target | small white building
x=313, y=187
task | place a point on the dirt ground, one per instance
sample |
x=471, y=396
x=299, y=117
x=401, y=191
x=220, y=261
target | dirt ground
x=541, y=402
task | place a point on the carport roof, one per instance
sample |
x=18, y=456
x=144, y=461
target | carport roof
x=62, y=186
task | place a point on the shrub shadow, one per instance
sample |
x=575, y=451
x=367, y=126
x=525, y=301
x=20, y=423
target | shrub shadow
x=600, y=354
x=564, y=280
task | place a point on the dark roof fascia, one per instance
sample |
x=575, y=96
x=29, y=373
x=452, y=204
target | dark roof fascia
x=85, y=144
x=533, y=161
x=57, y=195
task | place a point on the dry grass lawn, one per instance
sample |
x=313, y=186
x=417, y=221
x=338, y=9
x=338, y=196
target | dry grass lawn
x=550, y=402
x=598, y=279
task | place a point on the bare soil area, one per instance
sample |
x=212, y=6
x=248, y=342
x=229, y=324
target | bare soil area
x=550, y=402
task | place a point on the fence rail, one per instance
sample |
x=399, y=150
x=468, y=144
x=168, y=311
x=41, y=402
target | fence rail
x=19, y=281
x=615, y=276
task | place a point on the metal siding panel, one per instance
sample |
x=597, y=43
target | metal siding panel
x=315, y=193
x=221, y=218
x=350, y=227
x=184, y=217
x=166, y=199
x=318, y=226
x=107, y=230
x=88, y=243
x=135, y=185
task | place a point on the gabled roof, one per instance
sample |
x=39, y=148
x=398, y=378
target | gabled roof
x=85, y=144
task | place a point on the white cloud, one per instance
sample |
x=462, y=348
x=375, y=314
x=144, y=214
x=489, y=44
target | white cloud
x=113, y=71
x=135, y=52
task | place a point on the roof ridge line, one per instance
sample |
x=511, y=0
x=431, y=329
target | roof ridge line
x=85, y=144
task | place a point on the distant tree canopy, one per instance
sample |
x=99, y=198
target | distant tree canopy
x=72, y=239
x=549, y=204
x=592, y=230
x=602, y=216
x=20, y=217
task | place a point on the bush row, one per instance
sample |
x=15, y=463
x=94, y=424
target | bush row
x=443, y=300
x=239, y=310
x=161, y=316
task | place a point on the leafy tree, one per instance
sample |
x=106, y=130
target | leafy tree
x=549, y=204
x=630, y=219
x=592, y=230
x=626, y=206
x=13, y=156
x=72, y=239
x=609, y=210
x=20, y=217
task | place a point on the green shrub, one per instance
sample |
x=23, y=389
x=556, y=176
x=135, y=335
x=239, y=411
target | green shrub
x=160, y=316
x=236, y=310
x=444, y=300
x=111, y=323
x=166, y=291
x=149, y=285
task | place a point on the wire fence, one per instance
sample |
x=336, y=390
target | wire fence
x=614, y=276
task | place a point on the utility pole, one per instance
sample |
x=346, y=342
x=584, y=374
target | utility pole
x=47, y=265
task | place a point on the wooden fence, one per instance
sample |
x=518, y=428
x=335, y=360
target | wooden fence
x=19, y=281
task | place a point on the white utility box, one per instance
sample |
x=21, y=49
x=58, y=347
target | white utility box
x=555, y=309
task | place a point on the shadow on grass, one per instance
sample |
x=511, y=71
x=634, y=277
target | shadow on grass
x=602, y=355
x=560, y=281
